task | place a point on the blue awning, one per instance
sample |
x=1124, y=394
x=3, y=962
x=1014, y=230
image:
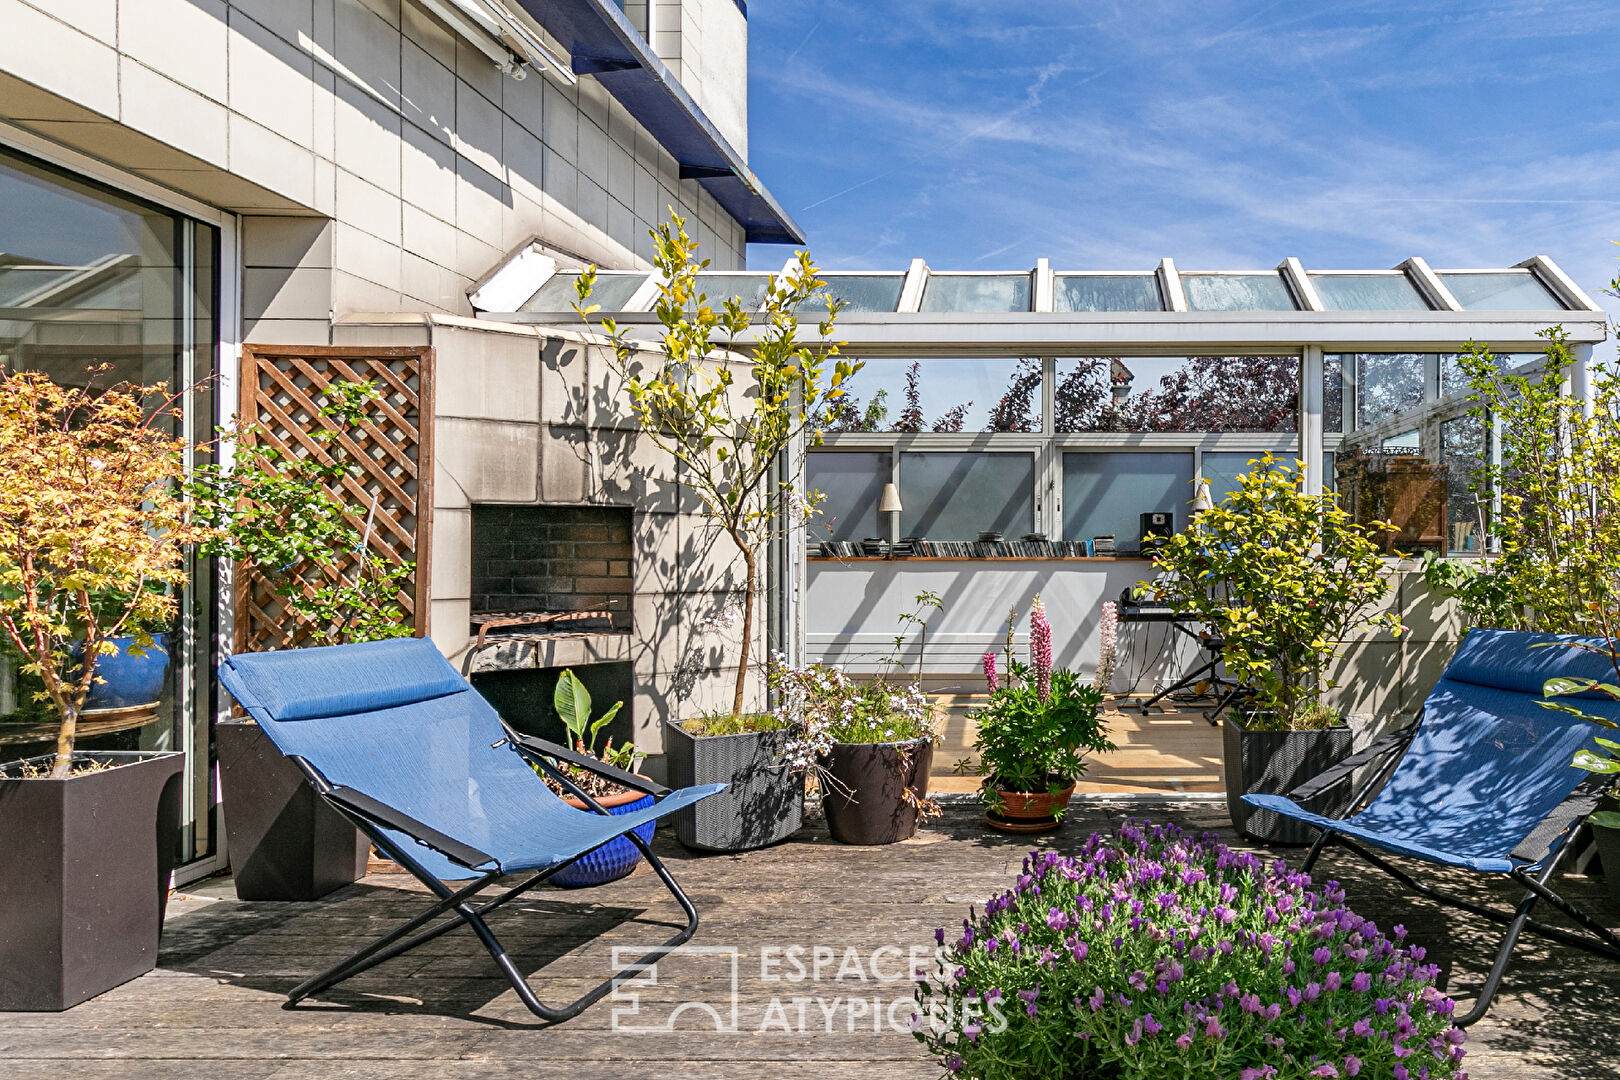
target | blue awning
x=603, y=44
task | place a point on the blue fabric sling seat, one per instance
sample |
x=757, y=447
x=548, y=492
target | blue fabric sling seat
x=1485, y=784
x=394, y=720
x=393, y=738
x=1487, y=763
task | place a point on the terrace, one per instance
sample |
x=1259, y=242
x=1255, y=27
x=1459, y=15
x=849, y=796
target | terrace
x=215, y=1000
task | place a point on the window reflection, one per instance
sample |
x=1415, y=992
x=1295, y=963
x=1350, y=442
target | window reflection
x=1177, y=393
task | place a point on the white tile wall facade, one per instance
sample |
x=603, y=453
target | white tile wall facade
x=430, y=162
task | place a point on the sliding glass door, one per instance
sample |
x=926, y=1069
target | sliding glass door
x=99, y=288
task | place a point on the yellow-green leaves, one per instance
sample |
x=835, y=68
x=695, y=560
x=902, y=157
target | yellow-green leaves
x=93, y=528
x=1285, y=577
x=725, y=411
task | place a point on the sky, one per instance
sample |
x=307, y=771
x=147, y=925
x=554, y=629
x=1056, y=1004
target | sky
x=1227, y=135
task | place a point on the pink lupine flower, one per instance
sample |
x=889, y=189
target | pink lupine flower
x=991, y=678
x=1108, y=646
x=1040, y=650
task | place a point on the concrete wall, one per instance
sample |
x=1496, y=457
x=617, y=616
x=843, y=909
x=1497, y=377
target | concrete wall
x=705, y=43
x=852, y=614
x=428, y=162
x=523, y=416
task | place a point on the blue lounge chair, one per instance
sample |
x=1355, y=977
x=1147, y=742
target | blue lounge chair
x=400, y=744
x=1484, y=785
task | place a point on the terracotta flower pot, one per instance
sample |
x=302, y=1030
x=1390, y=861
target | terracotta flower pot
x=865, y=804
x=617, y=857
x=1029, y=811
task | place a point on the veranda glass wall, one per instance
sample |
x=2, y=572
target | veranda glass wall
x=98, y=288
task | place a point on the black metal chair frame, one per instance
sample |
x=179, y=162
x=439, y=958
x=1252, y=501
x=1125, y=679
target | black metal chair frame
x=1542, y=851
x=372, y=817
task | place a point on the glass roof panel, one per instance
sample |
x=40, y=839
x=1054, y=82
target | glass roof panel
x=1368, y=292
x=859, y=292
x=613, y=290
x=748, y=288
x=976, y=292
x=1504, y=290
x=1237, y=292
x=1107, y=292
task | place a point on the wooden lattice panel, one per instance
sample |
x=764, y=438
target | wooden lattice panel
x=281, y=394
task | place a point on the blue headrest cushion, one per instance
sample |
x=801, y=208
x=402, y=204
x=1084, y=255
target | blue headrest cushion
x=336, y=680
x=1523, y=662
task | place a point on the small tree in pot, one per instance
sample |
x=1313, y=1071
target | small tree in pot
x=729, y=421
x=1034, y=734
x=93, y=535
x=275, y=515
x=1282, y=578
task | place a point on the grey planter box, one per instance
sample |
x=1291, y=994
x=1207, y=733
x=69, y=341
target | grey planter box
x=87, y=874
x=764, y=804
x=285, y=842
x=1274, y=763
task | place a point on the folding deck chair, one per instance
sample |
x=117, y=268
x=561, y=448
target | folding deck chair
x=404, y=747
x=1485, y=784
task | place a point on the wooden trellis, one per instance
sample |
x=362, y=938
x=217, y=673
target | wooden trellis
x=282, y=395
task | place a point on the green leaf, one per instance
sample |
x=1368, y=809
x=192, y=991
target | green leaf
x=1594, y=762
x=1565, y=685
x=573, y=703
x=1608, y=819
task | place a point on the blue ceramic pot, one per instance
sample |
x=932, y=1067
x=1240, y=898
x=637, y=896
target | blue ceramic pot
x=124, y=680
x=617, y=857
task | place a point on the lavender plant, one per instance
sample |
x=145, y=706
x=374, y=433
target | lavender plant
x=1155, y=955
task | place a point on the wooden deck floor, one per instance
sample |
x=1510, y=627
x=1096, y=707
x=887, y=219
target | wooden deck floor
x=213, y=1008
x=1168, y=751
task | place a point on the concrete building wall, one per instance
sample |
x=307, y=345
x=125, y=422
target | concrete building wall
x=426, y=161
x=705, y=43
x=525, y=416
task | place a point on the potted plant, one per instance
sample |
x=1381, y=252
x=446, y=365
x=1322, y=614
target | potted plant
x=764, y=802
x=728, y=422
x=1034, y=734
x=91, y=517
x=275, y=516
x=1283, y=578
x=617, y=857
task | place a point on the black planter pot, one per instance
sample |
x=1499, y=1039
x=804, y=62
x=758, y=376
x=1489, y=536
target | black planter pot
x=1274, y=763
x=764, y=804
x=87, y=863
x=285, y=842
x=865, y=802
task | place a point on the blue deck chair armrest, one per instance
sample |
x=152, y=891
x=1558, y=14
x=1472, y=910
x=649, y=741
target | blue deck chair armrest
x=380, y=813
x=1340, y=773
x=532, y=747
x=1547, y=837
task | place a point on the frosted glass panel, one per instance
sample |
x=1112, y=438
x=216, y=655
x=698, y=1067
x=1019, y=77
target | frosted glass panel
x=1106, y=493
x=611, y=292
x=1506, y=291
x=957, y=496
x=859, y=292
x=748, y=288
x=1222, y=469
x=852, y=482
x=1123, y=292
x=976, y=292
x=1236, y=292
x=1368, y=292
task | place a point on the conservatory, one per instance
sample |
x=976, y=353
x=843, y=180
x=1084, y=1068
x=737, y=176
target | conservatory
x=1025, y=432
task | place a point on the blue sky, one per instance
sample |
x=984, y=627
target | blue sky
x=1228, y=135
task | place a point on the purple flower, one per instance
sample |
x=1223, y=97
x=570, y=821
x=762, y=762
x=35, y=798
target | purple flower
x=1264, y=1072
x=1322, y=955
x=1323, y=1069
x=1152, y=1026
x=1040, y=650
x=1361, y=982
x=1057, y=919
x=990, y=677
x=1184, y=1040
x=1352, y=1065
x=1361, y=1028
x=1097, y=999
x=1135, y=1034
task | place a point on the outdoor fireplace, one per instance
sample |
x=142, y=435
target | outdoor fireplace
x=550, y=569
